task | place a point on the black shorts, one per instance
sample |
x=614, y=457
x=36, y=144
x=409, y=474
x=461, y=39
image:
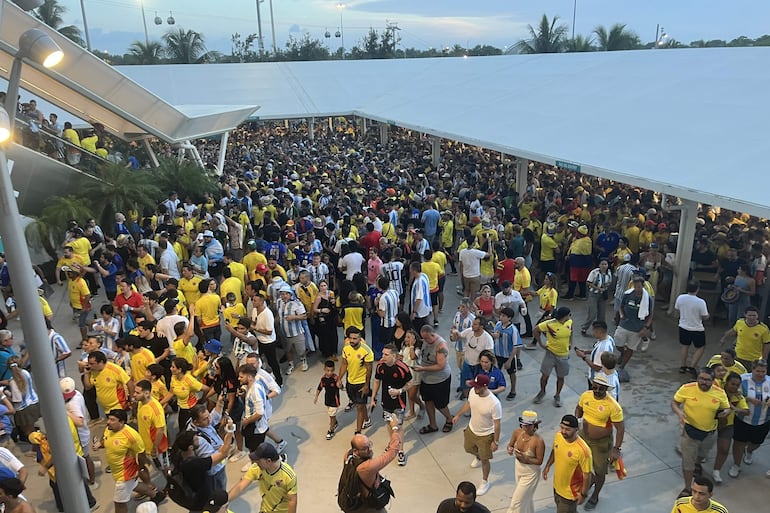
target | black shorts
x=437, y=393
x=251, y=439
x=356, y=395
x=548, y=266
x=692, y=338
x=434, y=298
x=747, y=433
x=441, y=283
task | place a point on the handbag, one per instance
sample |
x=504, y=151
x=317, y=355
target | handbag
x=379, y=497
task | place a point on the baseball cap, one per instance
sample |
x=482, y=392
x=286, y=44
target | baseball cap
x=213, y=346
x=218, y=499
x=67, y=387
x=286, y=288
x=569, y=421
x=267, y=451
x=481, y=380
x=261, y=268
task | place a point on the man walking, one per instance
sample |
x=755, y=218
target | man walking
x=263, y=322
x=751, y=430
x=572, y=462
x=636, y=310
x=482, y=436
x=600, y=412
x=698, y=405
x=558, y=333
x=277, y=480
x=357, y=359
x=393, y=377
x=419, y=299
x=700, y=501
x=692, y=312
x=464, y=501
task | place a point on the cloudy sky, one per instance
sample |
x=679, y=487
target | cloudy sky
x=115, y=24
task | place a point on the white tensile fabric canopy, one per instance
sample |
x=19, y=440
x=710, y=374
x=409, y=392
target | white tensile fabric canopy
x=690, y=122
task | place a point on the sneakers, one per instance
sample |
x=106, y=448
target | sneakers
x=511, y=396
x=475, y=463
x=557, y=401
x=330, y=434
x=290, y=369
x=734, y=470
x=303, y=364
x=539, y=397
x=645, y=345
x=367, y=424
x=246, y=466
x=748, y=458
x=519, y=365
x=482, y=488
x=282, y=446
x=238, y=455
x=401, y=459
x=349, y=407
x=716, y=476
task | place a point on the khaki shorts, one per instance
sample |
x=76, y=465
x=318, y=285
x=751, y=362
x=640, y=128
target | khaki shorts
x=564, y=505
x=331, y=411
x=551, y=361
x=296, y=344
x=479, y=446
x=626, y=338
x=693, y=450
x=600, y=452
x=124, y=490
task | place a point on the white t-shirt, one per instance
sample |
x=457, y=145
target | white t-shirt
x=165, y=326
x=484, y=412
x=76, y=407
x=352, y=263
x=512, y=300
x=265, y=321
x=602, y=346
x=691, y=311
x=475, y=345
x=471, y=260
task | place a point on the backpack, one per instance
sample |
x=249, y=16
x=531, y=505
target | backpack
x=179, y=491
x=349, y=490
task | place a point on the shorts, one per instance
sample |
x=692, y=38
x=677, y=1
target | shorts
x=468, y=372
x=693, y=450
x=626, y=338
x=548, y=266
x=600, y=452
x=726, y=433
x=82, y=317
x=437, y=393
x=564, y=505
x=551, y=361
x=748, y=433
x=434, y=298
x=441, y=283
x=296, y=344
x=28, y=416
x=123, y=491
x=355, y=393
x=161, y=461
x=693, y=338
x=251, y=439
x=501, y=361
x=479, y=446
x=331, y=411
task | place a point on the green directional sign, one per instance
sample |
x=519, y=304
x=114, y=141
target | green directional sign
x=570, y=166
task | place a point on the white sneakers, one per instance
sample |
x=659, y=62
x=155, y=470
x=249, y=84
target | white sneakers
x=475, y=464
x=717, y=476
x=748, y=458
x=303, y=364
x=282, y=446
x=290, y=369
x=734, y=470
x=482, y=488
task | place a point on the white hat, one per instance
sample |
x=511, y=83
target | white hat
x=529, y=417
x=208, y=233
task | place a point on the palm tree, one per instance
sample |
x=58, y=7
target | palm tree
x=580, y=44
x=185, y=46
x=51, y=13
x=548, y=38
x=142, y=53
x=120, y=190
x=186, y=178
x=48, y=229
x=616, y=38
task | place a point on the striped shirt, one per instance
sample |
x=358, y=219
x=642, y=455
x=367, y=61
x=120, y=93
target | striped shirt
x=758, y=413
x=392, y=271
x=461, y=323
x=318, y=273
x=421, y=290
x=291, y=328
x=509, y=337
x=389, y=305
x=59, y=347
x=21, y=399
x=601, y=346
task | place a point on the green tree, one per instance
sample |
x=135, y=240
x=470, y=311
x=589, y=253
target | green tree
x=242, y=51
x=120, y=190
x=304, y=49
x=142, y=53
x=186, y=178
x=52, y=14
x=549, y=37
x=49, y=228
x=185, y=46
x=616, y=38
x=741, y=41
x=481, y=50
x=762, y=41
x=580, y=43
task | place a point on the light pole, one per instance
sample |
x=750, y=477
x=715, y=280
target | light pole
x=144, y=20
x=660, y=37
x=341, y=7
x=272, y=28
x=36, y=46
x=260, y=41
x=85, y=25
x=574, y=12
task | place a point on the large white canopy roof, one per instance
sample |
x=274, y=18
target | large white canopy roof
x=94, y=91
x=689, y=122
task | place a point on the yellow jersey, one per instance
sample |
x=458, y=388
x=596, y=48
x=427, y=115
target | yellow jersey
x=185, y=389
x=357, y=360
x=233, y=313
x=140, y=360
x=186, y=351
x=275, y=488
x=557, y=335
x=684, y=505
x=82, y=248
x=77, y=289
x=121, y=449
x=207, y=308
x=571, y=461
x=700, y=408
x=151, y=420
x=190, y=289
x=750, y=340
x=231, y=285
x=600, y=412
x=110, y=384
x=432, y=270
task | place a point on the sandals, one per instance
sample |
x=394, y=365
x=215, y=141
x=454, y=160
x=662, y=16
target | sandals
x=427, y=429
x=447, y=427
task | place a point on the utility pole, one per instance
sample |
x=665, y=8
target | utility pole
x=272, y=27
x=391, y=27
x=260, y=42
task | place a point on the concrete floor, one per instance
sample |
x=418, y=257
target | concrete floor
x=437, y=461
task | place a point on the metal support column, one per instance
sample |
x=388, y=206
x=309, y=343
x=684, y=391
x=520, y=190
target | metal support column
x=522, y=168
x=688, y=212
x=435, y=151
x=150, y=152
x=222, y=153
x=311, y=129
x=384, y=133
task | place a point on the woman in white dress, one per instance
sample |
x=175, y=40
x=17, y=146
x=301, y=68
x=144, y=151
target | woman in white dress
x=529, y=449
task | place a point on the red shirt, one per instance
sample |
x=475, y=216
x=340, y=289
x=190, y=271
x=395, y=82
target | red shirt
x=134, y=300
x=506, y=270
x=371, y=240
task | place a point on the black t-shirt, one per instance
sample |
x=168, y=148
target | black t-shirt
x=396, y=376
x=704, y=258
x=156, y=344
x=448, y=506
x=331, y=392
x=195, y=474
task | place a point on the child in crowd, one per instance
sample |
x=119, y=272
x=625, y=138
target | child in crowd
x=609, y=362
x=108, y=326
x=154, y=374
x=507, y=347
x=411, y=354
x=328, y=384
x=232, y=311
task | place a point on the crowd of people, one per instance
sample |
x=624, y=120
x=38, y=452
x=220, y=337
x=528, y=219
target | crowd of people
x=336, y=251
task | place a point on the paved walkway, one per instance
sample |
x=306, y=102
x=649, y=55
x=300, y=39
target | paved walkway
x=437, y=461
